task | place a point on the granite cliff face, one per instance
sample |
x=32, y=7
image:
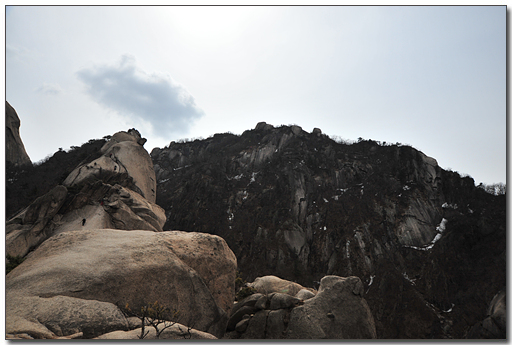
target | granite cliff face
x=301, y=206
x=14, y=149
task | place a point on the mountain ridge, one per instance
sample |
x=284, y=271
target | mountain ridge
x=301, y=206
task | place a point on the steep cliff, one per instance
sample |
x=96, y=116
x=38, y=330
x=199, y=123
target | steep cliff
x=300, y=205
x=14, y=149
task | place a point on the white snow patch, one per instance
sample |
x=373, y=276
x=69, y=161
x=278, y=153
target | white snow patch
x=231, y=216
x=442, y=226
x=447, y=205
x=238, y=177
x=163, y=181
x=253, y=177
x=412, y=281
x=371, y=280
x=347, y=249
x=440, y=229
x=406, y=187
x=325, y=228
x=449, y=310
x=326, y=200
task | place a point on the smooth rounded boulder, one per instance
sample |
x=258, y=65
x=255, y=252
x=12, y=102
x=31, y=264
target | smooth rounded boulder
x=82, y=281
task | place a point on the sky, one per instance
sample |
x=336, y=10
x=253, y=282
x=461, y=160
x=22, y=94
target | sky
x=433, y=77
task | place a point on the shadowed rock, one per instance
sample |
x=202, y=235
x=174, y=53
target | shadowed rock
x=14, y=149
x=337, y=311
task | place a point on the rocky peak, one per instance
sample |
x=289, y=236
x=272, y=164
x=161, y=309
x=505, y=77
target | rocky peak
x=96, y=259
x=122, y=154
x=301, y=206
x=116, y=190
x=14, y=149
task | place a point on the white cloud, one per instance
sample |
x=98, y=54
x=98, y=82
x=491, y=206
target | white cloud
x=155, y=98
x=49, y=89
x=16, y=52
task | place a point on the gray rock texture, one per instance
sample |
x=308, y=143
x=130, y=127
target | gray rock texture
x=494, y=326
x=14, y=149
x=337, y=311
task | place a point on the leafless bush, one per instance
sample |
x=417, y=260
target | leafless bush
x=155, y=315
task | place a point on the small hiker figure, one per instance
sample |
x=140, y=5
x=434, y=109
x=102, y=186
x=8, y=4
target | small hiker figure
x=83, y=222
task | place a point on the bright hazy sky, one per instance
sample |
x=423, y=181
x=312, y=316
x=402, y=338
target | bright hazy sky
x=431, y=77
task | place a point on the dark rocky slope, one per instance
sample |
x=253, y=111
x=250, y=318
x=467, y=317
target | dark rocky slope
x=428, y=244
x=27, y=182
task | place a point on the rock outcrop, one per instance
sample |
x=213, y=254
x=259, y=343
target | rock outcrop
x=307, y=206
x=337, y=311
x=108, y=192
x=123, y=153
x=31, y=227
x=269, y=284
x=95, y=255
x=14, y=149
x=79, y=282
x=494, y=326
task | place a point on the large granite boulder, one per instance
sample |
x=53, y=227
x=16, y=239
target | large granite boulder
x=268, y=284
x=337, y=311
x=14, y=149
x=81, y=281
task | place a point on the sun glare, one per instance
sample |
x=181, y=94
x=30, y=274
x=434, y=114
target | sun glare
x=209, y=25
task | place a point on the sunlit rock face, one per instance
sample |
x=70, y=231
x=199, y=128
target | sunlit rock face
x=94, y=252
x=14, y=149
x=300, y=206
x=78, y=282
x=123, y=153
x=116, y=190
